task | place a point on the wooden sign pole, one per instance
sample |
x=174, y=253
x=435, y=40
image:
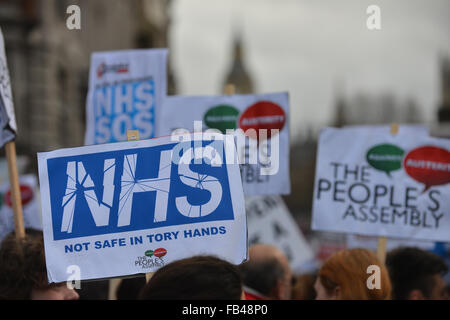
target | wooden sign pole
x=381, y=250
x=10, y=148
x=382, y=241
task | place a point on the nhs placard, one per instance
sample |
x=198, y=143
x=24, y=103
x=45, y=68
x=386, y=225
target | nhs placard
x=126, y=89
x=131, y=207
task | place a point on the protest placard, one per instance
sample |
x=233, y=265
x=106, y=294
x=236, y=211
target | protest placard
x=371, y=182
x=30, y=204
x=131, y=207
x=260, y=124
x=8, y=129
x=371, y=243
x=126, y=89
x=270, y=222
x=7, y=118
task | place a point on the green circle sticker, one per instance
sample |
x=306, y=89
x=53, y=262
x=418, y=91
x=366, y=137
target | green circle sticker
x=385, y=157
x=222, y=117
x=149, y=253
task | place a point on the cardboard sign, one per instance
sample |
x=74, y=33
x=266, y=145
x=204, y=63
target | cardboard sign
x=131, y=207
x=126, y=89
x=30, y=205
x=371, y=243
x=371, y=182
x=270, y=222
x=8, y=126
x=260, y=124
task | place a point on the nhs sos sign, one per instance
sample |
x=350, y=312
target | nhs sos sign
x=133, y=186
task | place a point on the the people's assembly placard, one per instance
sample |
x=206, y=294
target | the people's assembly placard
x=131, y=207
x=259, y=123
x=126, y=89
x=371, y=182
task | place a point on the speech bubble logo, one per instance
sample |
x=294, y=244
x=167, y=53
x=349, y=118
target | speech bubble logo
x=160, y=252
x=263, y=115
x=221, y=117
x=149, y=253
x=385, y=157
x=429, y=165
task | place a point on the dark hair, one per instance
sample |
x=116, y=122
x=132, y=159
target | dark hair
x=129, y=289
x=413, y=269
x=22, y=265
x=196, y=278
x=263, y=275
x=303, y=288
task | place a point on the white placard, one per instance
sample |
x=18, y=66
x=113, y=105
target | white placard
x=131, y=207
x=8, y=125
x=270, y=222
x=371, y=243
x=126, y=89
x=253, y=119
x=371, y=182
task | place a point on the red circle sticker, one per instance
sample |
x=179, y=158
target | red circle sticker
x=429, y=165
x=26, y=194
x=160, y=252
x=262, y=115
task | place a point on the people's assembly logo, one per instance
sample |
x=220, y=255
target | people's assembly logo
x=262, y=115
x=222, y=117
x=151, y=259
x=114, y=68
x=429, y=165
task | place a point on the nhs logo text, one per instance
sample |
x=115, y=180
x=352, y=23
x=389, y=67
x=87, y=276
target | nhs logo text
x=136, y=189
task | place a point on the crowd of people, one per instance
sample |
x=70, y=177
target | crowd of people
x=408, y=274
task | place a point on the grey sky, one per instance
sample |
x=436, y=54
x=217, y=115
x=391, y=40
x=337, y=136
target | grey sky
x=308, y=47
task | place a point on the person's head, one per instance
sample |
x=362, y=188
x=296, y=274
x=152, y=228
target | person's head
x=268, y=272
x=23, y=274
x=344, y=276
x=416, y=274
x=447, y=292
x=303, y=288
x=195, y=278
x=129, y=289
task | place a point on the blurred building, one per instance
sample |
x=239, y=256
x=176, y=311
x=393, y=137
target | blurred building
x=49, y=64
x=444, y=108
x=367, y=109
x=442, y=128
x=237, y=74
x=302, y=170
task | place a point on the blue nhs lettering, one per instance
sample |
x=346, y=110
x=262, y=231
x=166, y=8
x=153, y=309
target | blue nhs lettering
x=137, y=189
x=122, y=107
